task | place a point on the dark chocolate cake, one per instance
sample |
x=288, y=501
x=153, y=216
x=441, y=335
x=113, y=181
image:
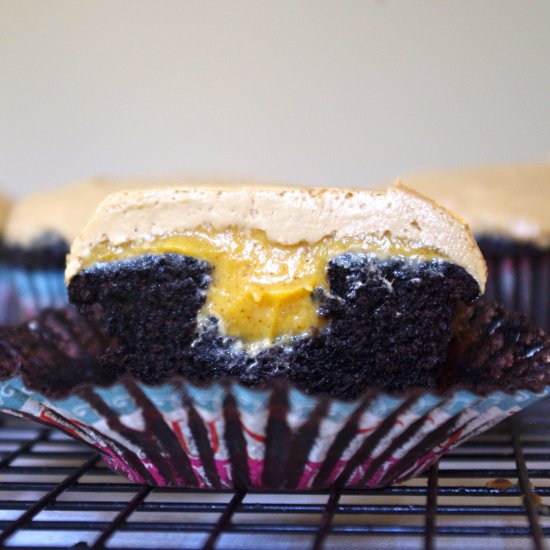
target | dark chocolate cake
x=389, y=323
x=58, y=352
x=54, y=352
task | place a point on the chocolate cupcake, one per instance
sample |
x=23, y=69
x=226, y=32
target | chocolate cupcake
x=508, y=209
x=273, y=338
x=38, y=233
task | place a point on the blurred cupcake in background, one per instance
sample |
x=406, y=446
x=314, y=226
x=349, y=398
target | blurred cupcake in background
x=37, y=235
x=508, y=209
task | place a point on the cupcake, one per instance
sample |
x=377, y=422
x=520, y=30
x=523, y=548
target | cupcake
x=508, y=211
x=38, y=233
x=272, y=337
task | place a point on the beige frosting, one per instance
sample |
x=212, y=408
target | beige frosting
x=288, y=215
x=509, y=201
x=61, y=211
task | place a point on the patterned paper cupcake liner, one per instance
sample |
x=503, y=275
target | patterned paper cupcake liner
x=225, y=435
x=24, y=292
x=519, y=278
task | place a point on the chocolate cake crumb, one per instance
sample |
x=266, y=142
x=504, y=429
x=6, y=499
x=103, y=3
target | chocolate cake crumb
x=388, y=323
x=149, y=306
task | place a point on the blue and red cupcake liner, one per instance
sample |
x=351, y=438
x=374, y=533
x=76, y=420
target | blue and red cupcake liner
x=224, y=435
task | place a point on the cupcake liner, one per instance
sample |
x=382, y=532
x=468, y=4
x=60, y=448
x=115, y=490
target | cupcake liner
x=24, y=292
x=225, y=435
x=520, y=281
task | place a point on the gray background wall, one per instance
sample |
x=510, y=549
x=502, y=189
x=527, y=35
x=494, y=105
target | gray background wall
x=316, y=92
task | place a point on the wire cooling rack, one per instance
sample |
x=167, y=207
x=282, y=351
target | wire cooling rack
x=492, y=492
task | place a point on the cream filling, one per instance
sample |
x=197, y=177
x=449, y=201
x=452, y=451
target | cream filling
x=260, y=290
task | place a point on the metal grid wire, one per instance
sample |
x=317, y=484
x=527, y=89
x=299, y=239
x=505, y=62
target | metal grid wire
x=493, y=492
